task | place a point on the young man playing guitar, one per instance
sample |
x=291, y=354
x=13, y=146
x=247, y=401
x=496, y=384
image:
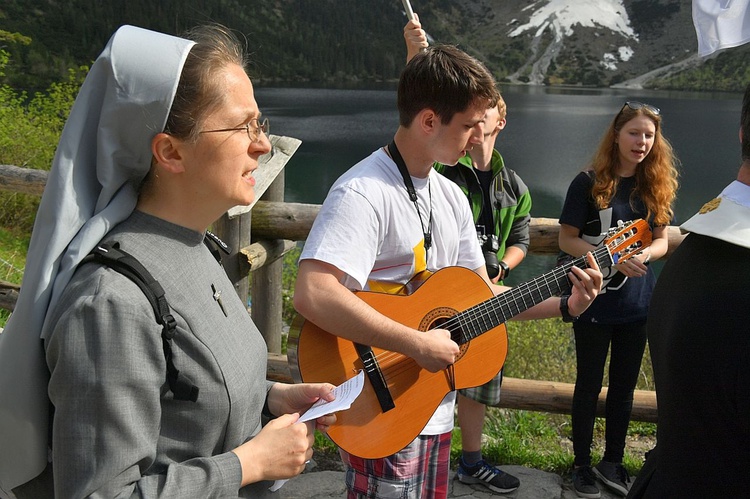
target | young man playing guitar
x=379, y=227
x=501, y=204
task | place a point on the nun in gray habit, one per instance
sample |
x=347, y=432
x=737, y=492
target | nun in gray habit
x=84, y=396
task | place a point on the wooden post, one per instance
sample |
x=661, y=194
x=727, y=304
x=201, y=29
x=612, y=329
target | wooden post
x=267, y=293
x=235, y=226
x=236, y=233
x=8, y=295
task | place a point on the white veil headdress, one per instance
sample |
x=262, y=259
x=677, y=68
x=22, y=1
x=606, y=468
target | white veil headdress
x=103, y=154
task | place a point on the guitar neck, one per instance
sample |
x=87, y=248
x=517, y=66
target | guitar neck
x=491, y=313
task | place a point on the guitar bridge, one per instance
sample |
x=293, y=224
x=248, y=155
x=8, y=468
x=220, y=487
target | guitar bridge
x=375, y=375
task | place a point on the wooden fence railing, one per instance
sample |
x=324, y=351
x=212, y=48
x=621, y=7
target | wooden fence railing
x=274, y=230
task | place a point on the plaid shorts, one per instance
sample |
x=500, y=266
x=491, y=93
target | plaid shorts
x=488, y=393
x=421, y=469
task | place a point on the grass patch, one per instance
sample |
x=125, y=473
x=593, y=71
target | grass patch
x=13, y=247
x=543, y=441
x=525, y=438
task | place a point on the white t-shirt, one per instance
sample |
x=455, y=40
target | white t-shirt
x=369, y=229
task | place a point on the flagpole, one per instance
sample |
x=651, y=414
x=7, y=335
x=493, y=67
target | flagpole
x=407, y=8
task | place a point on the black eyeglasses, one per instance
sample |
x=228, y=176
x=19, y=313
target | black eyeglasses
x=253, y=128
x=635, y=105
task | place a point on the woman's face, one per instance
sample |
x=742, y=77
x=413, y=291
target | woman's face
x=221, y=164
x=635, y=140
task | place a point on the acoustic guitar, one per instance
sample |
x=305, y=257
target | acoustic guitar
x=399, y=397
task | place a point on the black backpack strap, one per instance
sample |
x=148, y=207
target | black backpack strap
x=111, y=255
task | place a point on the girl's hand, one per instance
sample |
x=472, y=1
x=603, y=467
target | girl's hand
x=636, y=265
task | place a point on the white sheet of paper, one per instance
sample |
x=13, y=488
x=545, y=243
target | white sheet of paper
x=346, y=393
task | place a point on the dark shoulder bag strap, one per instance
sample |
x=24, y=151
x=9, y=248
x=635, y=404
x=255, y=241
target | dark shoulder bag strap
x=111, y=255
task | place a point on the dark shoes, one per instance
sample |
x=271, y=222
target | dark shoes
x=487, y=475
x=614, y=476
x=584, y=483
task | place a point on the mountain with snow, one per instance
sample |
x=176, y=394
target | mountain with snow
x=562, y=18
x=579, y=42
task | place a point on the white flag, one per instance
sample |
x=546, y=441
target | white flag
x=721, y=24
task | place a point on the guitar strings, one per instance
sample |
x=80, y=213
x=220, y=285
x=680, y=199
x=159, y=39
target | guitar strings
x=394, y=363
x=534, y=290
x=529, y=293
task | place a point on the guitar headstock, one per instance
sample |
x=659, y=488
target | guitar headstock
x=628, y=239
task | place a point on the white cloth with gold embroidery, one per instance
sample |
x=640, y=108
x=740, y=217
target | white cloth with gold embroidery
x=726, y=217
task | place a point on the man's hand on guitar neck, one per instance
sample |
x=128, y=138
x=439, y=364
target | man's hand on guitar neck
x=586, y=286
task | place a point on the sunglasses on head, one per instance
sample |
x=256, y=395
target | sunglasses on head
x=635, y=105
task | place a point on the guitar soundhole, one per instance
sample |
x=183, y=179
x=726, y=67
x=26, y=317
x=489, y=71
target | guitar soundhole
x=439, y=318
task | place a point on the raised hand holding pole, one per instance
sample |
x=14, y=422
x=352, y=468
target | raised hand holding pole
x=415, y=37
x=407, y=8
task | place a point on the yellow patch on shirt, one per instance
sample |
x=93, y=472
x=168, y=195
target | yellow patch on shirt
x=395, y=288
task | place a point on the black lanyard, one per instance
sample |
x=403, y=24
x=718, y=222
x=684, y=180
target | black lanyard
x=396, y=156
